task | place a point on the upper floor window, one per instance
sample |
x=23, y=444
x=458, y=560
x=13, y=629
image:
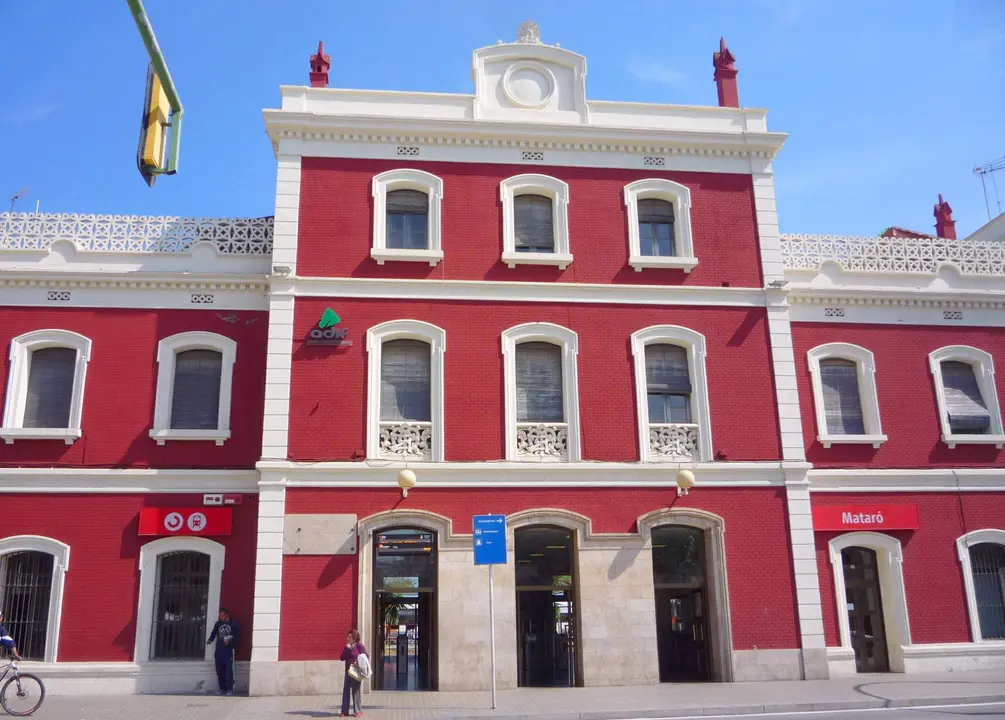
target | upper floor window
x=45, y=387
x=535, y=221
x=966, y=396
x=194, y=384
x=541, y=393
x=844, y=395
x=405, y=389
x=406, y=217
x=659, y=225
x=671, y=389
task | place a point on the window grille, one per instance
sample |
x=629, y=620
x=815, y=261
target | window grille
x=534, y=224
x=842, y=399
x=50, y=387
x=987, y=562
x=968, y=414
x=25, y=589
x=181, y=599
x=195, y=403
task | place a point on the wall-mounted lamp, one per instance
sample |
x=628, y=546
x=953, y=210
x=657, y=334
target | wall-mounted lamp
x=685, y=481
x=406, y=480
x=281, y=270
x=778, y=284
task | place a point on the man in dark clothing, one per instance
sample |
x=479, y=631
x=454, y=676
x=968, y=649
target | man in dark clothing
x=225, y=632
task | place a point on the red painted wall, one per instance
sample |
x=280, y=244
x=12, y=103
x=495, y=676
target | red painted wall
x=907, y=405
x=336, y=224
x=103, y=580
x=328, y=390
x=319, y=594
x=933, y=580
x=121, y=385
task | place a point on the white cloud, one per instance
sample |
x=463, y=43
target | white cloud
x=657, y=72
x=27, y=115
x=789, y=12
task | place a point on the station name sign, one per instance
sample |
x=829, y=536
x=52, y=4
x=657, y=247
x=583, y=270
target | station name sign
x=865, y=517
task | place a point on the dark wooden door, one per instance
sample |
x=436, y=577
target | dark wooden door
x=865, y=609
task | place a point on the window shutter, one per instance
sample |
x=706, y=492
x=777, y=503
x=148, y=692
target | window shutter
x=407, y=212
x=967, y=412
x=667, y=370
x=842, y=400
x=195, y=402
x=533, y=223
x=657, y=211
x=404, y=381
x=407, y=201
x=539, y=383
x=51, y=375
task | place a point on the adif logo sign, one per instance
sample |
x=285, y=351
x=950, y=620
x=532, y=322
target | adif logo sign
x=327, y=331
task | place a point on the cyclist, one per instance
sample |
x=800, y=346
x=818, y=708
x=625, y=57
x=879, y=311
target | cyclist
x=6, y=641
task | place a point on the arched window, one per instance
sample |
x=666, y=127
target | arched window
x=966, y=396
x=535, y=221
x=32, y=573
x=844, y=395
x=982, y=560
x=406, y=217
x=659, y=225
x=45, y=387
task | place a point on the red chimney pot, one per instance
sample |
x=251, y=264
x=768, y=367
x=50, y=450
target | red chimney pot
x=725, y=76
x=945, y=226
x=319, y=67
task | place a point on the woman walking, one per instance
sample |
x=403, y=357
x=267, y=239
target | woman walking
x=351, y=686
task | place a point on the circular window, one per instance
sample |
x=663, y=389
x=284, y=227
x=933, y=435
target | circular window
x=528, y=84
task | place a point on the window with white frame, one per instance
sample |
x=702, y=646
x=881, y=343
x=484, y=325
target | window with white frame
x=671, y=388
x=194, y=384
x=32, y=571
x=966, y=396
x=845, y=399
x=982, y=560
x=180, y=581
x=405, y=390
x=406, y=217
x=45, y=386
x=541, y=393
x=535, y=221
x=659, y=225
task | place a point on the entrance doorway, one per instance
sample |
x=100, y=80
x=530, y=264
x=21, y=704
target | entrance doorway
x=865, y=609
x=547, y=627
x=404, y=578
x=681, y=603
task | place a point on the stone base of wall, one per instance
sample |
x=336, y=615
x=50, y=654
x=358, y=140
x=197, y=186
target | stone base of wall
x=126, y=678
x=762, y=665
x=933, y=658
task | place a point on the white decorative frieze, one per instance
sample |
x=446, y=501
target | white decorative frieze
x=542, y=440
x=406, y=440
x=894, y=255
x=36, y=232
x=678, y=441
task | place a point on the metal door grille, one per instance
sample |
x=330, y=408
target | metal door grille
x=25, y=586
x=182, y=596
x=987, y=561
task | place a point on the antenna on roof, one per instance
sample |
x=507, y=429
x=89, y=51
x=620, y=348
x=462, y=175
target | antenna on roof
x=17, y=196
x=990, y=169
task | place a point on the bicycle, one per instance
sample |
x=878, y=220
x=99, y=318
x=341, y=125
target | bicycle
x=21, y=687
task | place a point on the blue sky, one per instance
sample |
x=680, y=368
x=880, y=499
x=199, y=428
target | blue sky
x=887, y=103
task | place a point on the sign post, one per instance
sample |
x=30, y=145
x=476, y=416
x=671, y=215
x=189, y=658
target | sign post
x=490, y=549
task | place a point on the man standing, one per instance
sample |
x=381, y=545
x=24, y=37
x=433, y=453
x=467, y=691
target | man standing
x=225, y=632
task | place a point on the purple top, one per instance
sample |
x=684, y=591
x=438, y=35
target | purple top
x=349, y=654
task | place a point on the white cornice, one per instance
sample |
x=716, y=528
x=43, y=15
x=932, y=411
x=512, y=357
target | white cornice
x=374, y=473
x=121, y=481
x=503, y=291
x=897, y=297
x=910, y=480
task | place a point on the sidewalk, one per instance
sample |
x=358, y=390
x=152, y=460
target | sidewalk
x=652, y=701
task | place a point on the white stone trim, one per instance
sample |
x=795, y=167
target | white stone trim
x=149, y=553
x=889, y=560
x=21, y=349
x=279, y=351
x=908, y=480
x=402, y=179
x=268, y=584
x=680, y=197
x=568, y=341
x=167, y=352
x=963, y=545
x=783, y=366
x=179, y=677
x=126, y=480
x=984, y=371
x=60, y=564
x=533, y=184
x=694, y=343
x=865, y=366
x=397, y=330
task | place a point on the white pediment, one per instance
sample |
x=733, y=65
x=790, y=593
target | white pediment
x=529, y=81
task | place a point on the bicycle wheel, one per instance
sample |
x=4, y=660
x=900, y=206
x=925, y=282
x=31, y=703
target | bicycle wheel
x=22, y=695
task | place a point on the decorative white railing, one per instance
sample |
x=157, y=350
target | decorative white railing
x=135, y=233
x=894, y=255
x=676, y=441
x=412, y=440
x=542, y=440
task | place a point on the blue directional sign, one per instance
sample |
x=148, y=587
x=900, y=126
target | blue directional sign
x=490, y=539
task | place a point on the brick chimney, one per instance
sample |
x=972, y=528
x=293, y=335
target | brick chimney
x=725, y=76
x=945, y=226
x=319, y=67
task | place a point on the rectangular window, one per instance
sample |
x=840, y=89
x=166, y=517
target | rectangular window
x=842, y=400
x=539, y=383
x=195, y=404
x=182, y=599
x=404, y=381
x=987, y=562
x=50, y=388
x=25, y=588
x=407, y=220
x=968, y=414
x=533, y=224
x=656, y=220
x=668, y=384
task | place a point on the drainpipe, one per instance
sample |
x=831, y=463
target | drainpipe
x=160, y=67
